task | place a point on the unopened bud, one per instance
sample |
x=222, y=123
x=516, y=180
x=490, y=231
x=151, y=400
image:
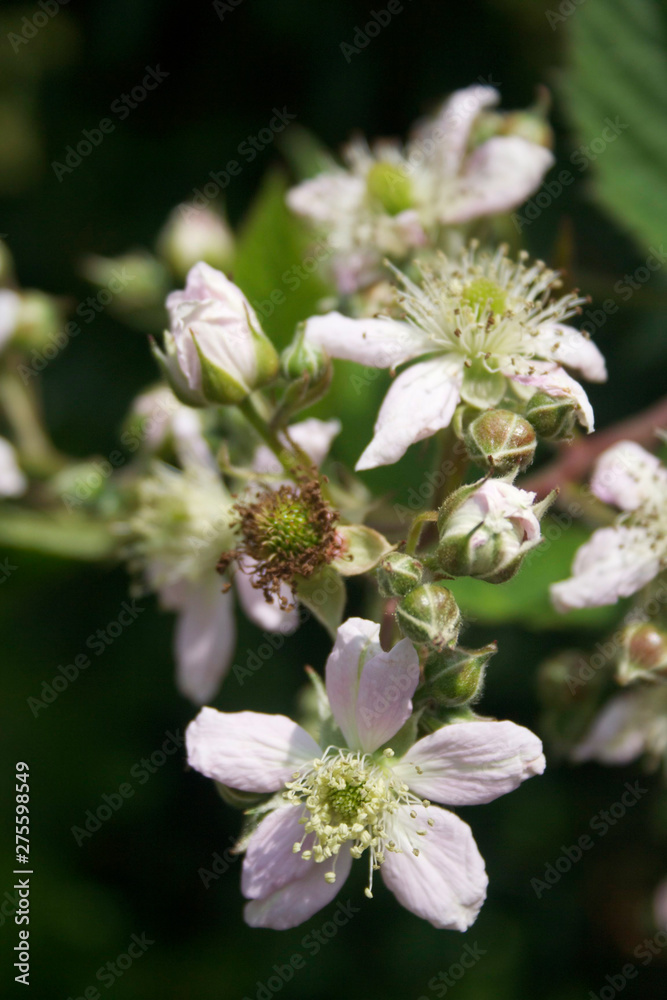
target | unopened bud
x=429, y=615
x=643, y=654
x=456, y=676
x=303, y=358
x=486, y=529
x=500, y=441
x=39, y=321
x=398, y=574
x=191, y=234
x=553, y=417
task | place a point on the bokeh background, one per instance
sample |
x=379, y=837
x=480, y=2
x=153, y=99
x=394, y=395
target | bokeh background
x=229, y=65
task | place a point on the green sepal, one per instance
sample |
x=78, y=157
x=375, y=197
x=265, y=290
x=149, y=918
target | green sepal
x=363, y=549
x=324, y=595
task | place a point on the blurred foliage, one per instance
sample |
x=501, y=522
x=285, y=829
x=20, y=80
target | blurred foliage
x=141, y=871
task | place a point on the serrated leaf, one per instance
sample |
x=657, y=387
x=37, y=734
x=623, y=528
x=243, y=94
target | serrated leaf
x=618, y=74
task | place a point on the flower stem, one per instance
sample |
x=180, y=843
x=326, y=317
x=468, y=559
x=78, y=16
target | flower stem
x=287, y=458
x=23, y=413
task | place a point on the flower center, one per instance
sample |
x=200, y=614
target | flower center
x=286, y=533
x=348, y=797
x=387, y=184
x=483, y=294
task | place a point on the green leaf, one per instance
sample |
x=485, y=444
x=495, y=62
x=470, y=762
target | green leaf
x=525, y=599
x=364, y=549
x=618, y=75
x=274, y=264
x=66, y=535
x=323, y=593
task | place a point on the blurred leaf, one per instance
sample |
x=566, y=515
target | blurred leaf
x=324, y=594
x=525, y=599
x=63, y=535
x=274, y=265
x=304, y=152
x=618, y=74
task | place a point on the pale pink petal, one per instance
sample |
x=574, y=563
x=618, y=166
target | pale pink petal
x=328, y=196
x=357, y=641
x=388, y=681
x=12, y=481
x=265, y=614
x=190, y=444
x=627, y=475
x=614, y=562
x=446, y=883
x=497, y=176
x=450, y=128
x=205, y=635
x=660, y=905
x=421, y=401
x=570, y=347
x=250, y=751
x=286, y=890
x=555, y=381
x=617, y=735
x=409, y=227
x=379, y=343
x=468, y=763
x=313, y=436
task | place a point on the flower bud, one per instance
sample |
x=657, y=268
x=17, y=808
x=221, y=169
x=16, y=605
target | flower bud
x=486, y=530
x=193, y=234
x=643, y=653
x=553, y=417
x=220, y=348
x=303, y=358
x=430, y=615
x=131, y=282
x=456, y=676
x=500, y=441
x=398, y=574
x=38, y=321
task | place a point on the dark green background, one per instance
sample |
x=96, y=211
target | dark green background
x=140, y=872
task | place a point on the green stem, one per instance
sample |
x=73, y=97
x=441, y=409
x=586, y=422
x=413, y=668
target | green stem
x=416, y=529
x=287, y=459
x=23, y=413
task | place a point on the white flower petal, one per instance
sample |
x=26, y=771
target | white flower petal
x=205, y=635
x=446, y=884
x=328, y=196
x=450, y=127
x=265, y=614
x=421, y=401
x=250, y=751
x=388, y=681
x=468, y=763
x=380, y=343
x=357, y=640
x=12, y=481
x=614, y=562
x=627, y=475
x=555, y=381
x=617, y=735
x=570, y=347
x=497, y=176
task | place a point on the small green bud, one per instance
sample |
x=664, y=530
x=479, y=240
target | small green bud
x=456, y=676
x=553, y=417
x=429, y=615
x=303, y=358
x=500, y=441
x=39, y=321
x=643, y=654
x=191, y=234
x=388, y=184
x=398, y=574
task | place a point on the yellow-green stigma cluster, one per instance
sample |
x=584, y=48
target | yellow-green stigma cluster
x=388, y=184
x=285, y=533
x=348, y=797
x=484, y=294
